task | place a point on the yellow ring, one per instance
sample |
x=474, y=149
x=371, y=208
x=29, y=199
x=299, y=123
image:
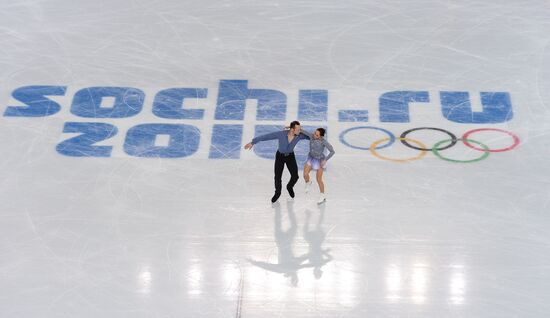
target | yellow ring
x=376, y=143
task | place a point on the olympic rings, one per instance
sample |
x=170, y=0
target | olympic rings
x=405, y=133
x=422, y=152
x=483, y=156
x=389, y=133
x=514, y=145
x=436, y=148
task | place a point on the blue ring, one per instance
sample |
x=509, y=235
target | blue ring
x=389, y=133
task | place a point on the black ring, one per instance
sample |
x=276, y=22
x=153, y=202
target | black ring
x=405, y=133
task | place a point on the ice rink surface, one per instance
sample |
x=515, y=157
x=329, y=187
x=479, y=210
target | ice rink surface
x=125, y=190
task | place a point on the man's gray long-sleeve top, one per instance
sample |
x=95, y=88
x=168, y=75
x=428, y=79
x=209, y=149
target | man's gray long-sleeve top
x=282, y=136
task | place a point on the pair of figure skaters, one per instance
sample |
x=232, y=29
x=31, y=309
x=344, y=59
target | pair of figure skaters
x=317, y=160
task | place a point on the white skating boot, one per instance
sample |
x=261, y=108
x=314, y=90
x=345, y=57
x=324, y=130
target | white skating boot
x=322, y=199
x=308, y=186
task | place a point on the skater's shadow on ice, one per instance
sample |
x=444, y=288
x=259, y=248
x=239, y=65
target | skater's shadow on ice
x=317, y=256
x=288, y=264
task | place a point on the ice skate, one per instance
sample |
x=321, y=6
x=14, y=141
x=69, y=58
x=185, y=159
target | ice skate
x=322, y=199
x=308, y=186
x=275, y=197
x=290, y=191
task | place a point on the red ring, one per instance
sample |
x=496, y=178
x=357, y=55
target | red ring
x=468, y=133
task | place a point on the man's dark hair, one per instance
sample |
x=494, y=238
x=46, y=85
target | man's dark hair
x=294, y=123
x=321, y=131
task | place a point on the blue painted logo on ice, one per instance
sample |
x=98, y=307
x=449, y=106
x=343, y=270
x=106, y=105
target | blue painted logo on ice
x=226, y=141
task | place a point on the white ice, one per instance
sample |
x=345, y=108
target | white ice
x=127, y=236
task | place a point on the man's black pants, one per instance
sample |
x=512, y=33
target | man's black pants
x=290, y=161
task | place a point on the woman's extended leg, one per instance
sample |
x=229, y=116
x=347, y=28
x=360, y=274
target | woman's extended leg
x=307, y=169
x=320, y=180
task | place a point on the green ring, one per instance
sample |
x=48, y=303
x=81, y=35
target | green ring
x=483, y=156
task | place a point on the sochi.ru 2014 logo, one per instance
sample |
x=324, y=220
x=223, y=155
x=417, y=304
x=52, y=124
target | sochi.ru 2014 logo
x=226, y=138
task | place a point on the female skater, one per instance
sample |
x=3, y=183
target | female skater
x=316, y=159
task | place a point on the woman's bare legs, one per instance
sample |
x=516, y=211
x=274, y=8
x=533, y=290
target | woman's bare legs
x=320, y=180
x=307, y=169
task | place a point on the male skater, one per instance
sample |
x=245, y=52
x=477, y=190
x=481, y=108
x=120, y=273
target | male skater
x=288, y=139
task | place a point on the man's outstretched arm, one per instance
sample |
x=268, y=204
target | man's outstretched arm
x=270, y=136
x=306, y=134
